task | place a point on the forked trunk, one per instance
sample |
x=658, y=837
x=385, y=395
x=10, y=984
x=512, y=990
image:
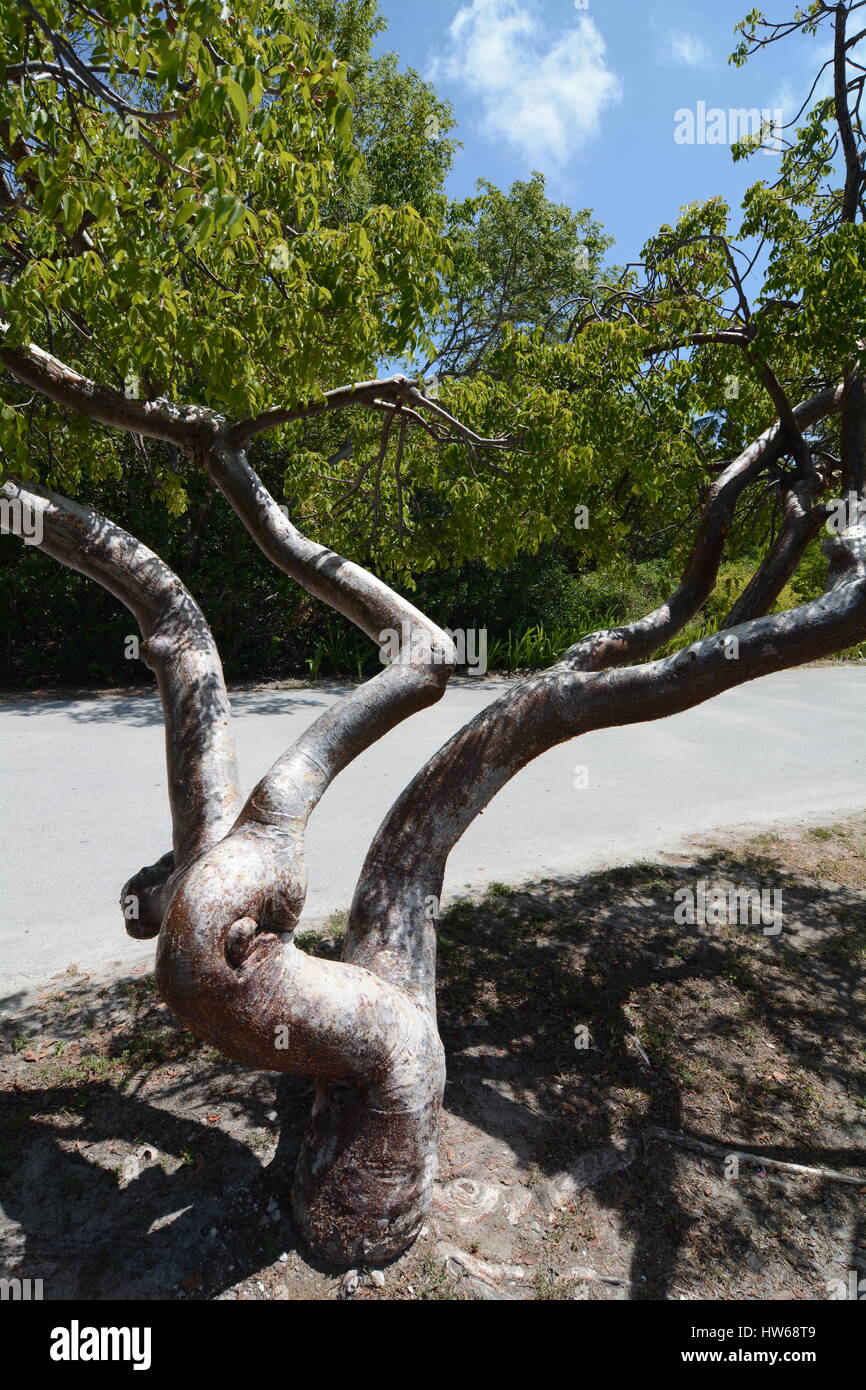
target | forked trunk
x=225, y=901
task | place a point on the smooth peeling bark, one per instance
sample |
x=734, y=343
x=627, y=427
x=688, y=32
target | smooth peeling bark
x=348, y=588
x=227, y=933
x=364, y=1177
x=178, y=647
x=227, y=963
x=406, y=862
x=71, y=390
x=228, y=967
x=365, y=1173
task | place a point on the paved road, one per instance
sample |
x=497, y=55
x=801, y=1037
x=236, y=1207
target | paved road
x=83, y=800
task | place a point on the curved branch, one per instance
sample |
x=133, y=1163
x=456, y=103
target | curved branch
x=69, y=65
x=425, y=658
x=405, y=866
x=396, y=390
x=226, y=961
x=635, y=641
x=853, y=435
x=353, y=591
x=44, y=72
x=802, y=521
x=853, y=169
x=732, y=337
x=178, y=647
x=185, y=426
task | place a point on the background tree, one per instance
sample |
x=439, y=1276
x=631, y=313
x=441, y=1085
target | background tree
x=217, y=143
x=511, y=257
x=516, y=260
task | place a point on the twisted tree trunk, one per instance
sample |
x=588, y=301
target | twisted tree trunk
x=225, y=900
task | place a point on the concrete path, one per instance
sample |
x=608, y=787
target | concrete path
x=82, y=798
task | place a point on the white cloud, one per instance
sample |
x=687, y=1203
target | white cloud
x=784, y=100
x=543, y=94
x=687, y=49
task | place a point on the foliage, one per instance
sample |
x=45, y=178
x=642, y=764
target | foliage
x=179, y=225
x=139, y=240
x=516, y=260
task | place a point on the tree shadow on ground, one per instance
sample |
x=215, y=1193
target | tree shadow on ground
x=143, y=709
x=137, y=1163
x=747, y=1041
x=107, y=1194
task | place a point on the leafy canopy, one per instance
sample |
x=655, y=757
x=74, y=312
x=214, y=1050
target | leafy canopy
x=175, y=216
x=213, y=223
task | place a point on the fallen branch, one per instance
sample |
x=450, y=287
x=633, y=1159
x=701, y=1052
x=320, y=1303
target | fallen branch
x=686, y=1141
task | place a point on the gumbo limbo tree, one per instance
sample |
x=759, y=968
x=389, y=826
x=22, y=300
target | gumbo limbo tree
x=181, y=273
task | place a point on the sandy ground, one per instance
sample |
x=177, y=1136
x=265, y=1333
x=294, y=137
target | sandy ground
x=137, y=1163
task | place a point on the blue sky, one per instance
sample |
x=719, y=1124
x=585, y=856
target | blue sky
x=587, y=93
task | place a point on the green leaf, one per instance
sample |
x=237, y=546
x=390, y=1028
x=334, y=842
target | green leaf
x=238, y=99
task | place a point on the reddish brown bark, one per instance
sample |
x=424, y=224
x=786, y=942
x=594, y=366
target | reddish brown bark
x=226, y=900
